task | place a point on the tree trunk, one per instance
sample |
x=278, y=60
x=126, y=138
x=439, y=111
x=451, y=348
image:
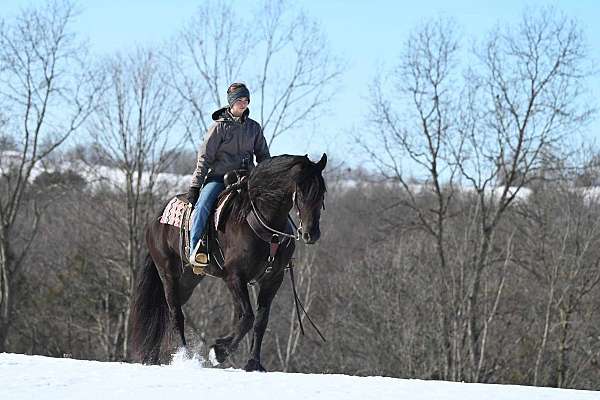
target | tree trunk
x=473, y=315
x=542, y=349
x=563, y=348
x=4, y=290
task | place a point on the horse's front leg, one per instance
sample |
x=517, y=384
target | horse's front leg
x=245, y=318
x=265, y=298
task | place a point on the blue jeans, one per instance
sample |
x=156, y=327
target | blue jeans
x=204, y=205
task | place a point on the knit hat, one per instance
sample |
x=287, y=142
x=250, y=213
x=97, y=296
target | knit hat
x=237, y=91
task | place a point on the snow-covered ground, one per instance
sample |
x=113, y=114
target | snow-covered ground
x=36, y=377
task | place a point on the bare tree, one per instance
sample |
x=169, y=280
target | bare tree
x=46, y=92
x=500, y=125
x=298, y=74
x=559, y=251
x=208, y=55
x=415, y=124
x=280, y=54
x=133, y=128
x=524, y=99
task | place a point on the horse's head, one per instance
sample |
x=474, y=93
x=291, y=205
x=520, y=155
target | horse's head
x=309, y=197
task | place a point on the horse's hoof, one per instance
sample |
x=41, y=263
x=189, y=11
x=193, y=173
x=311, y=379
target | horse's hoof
x=253, y=365
x=226, y=341
x=212, y=357
x=217, y=354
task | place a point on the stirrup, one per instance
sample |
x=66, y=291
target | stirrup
x=201, y=258
x=199, y=262
x=198, y=259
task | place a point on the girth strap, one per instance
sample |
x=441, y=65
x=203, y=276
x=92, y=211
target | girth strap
x=184, y=239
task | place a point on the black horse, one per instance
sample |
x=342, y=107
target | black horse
x=272, y=189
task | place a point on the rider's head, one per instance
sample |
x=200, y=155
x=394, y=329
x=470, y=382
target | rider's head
x=238, y=97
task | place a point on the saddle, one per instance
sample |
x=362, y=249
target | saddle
x=179, y=213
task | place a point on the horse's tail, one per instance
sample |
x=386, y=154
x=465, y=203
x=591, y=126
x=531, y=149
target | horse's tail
x=150, y=313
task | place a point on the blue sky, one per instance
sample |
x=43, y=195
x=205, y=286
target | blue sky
x=367, y=34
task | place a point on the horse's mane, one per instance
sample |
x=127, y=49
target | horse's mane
x=269, y=183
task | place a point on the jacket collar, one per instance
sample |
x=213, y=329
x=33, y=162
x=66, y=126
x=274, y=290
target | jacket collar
x=224, y=115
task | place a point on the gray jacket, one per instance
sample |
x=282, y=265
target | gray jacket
x=226, y=143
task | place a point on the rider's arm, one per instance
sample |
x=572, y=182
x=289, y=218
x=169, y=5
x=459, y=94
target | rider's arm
x=261, y=149
x=206, y=154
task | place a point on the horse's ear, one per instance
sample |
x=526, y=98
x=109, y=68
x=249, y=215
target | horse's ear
x=322, y=162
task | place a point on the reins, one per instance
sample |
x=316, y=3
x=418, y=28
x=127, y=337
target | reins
x=299, y=304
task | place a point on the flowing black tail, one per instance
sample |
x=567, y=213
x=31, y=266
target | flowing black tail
x=150, y=314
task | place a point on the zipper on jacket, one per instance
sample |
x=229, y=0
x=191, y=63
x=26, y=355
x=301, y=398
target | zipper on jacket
x=240, y=130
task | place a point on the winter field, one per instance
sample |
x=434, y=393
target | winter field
x=37, y=377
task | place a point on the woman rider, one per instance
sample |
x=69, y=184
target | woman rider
x=230, y=143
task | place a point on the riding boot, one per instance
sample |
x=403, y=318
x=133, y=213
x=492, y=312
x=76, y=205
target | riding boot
x=204, y=205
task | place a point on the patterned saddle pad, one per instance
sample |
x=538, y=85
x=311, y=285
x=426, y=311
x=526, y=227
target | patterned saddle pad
x=174, y=212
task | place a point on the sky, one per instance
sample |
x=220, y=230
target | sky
x=37, y=377
x=367, y=35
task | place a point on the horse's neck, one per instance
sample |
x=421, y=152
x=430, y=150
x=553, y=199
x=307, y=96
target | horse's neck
x=273, y=211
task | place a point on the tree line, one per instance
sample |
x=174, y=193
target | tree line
x=468, y=251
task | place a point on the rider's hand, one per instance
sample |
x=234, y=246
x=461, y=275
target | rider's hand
x=193, y=195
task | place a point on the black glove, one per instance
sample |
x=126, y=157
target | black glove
x=193, y=195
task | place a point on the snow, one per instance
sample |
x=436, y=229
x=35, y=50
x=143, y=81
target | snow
x=37, y=377
x=97, y=176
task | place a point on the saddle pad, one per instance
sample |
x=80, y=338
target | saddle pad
x=174, y=211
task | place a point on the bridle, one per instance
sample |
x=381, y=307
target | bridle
x=260, y=219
